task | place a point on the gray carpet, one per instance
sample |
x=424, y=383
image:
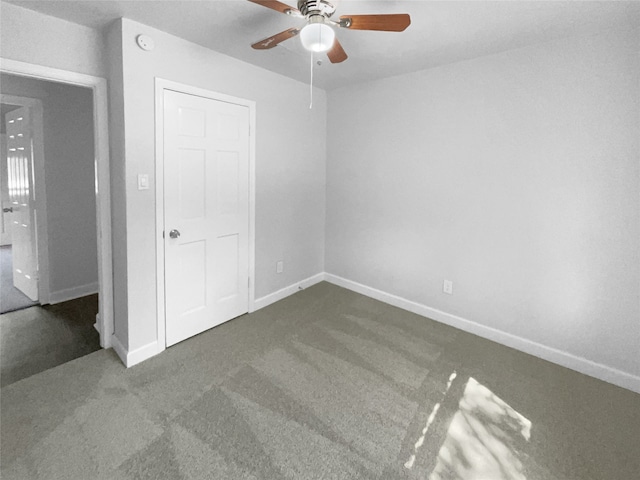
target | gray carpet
x=326, y=384
x=10, y=297
x=37, y=338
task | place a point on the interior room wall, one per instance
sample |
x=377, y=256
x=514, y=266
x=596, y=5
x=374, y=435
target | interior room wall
x=71, y=193
x=69, y=182
x=516, y=176
x=31, y=37
x=290, y=164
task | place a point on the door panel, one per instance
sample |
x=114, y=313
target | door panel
x=192, y=258
x=228, y=283
x=206, y=171
x=22, y=199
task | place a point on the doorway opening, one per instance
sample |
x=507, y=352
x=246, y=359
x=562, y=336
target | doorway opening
x=61, y=184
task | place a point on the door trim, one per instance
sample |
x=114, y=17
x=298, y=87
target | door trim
x=104, y=322
x=160, y=86
x=42, y=242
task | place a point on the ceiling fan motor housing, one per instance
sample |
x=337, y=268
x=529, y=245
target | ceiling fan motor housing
x=310, y=8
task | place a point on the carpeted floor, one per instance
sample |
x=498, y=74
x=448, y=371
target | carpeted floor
x=326, y=384
x=10, y=297
x=38, y=338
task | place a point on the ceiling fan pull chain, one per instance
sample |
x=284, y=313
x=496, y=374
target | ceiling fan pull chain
x=311, y=84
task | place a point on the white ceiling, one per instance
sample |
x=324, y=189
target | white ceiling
x=441, y=32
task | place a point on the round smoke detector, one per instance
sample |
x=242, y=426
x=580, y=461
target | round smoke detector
x=145, y=42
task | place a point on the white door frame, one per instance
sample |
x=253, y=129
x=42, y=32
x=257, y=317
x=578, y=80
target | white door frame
x=160, y=86
x=104, y=322
x=42, y=241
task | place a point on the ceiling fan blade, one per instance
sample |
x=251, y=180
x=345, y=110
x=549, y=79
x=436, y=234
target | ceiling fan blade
x=278, y=6
x=274, y=40
x=337, y=53
x=396, y=22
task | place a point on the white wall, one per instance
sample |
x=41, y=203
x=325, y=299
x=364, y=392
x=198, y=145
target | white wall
x=517, y=176
x=290, y=164
x=31, y=37
x=69, y=182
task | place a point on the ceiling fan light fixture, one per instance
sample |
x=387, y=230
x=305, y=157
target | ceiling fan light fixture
x=317, y=37
x=318, y=34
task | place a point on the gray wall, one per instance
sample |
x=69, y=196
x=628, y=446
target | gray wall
x=514, y=175
x=31, y=37
x=69, y=182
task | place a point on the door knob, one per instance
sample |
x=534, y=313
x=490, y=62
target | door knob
x=174, y=233
x=7, y=209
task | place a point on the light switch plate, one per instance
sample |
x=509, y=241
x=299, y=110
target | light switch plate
x=143, y=181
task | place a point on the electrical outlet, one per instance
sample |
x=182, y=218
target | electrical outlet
x=279, y=266
x=447, y=287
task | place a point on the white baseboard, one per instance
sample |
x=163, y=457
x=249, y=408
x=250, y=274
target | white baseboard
x=286, y=291
x=135, y=356
x=559, y=357
x=73, y=293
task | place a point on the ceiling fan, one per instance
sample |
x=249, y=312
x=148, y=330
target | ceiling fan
x=318, y=34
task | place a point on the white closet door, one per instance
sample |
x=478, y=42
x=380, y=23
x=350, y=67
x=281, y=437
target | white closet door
x=206, y=171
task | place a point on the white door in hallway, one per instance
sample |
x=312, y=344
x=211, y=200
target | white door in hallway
x=22, y=201
x=206, y=213
x=5, y=217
